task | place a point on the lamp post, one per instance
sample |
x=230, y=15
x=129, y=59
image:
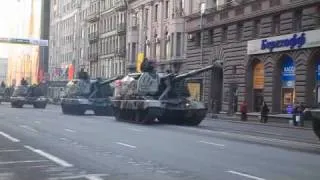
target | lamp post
x=202, y=11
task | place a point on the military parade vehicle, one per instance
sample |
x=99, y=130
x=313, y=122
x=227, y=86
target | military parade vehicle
x=84, y=94
x=26, y=94
x=149, y=96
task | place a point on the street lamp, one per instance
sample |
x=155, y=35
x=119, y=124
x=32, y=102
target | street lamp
x=202, y=11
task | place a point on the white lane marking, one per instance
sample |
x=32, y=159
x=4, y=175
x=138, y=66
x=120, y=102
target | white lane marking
x=10, y=150
x=50, y=157
x=17, y=162
x=211, y=143
x=86, y=176
x=134, y=129
x=37, y=122
x=28, y=128
x=63, y=139
x=245, y=175
x=70, y=130
x=127, y=145
x=9, y=137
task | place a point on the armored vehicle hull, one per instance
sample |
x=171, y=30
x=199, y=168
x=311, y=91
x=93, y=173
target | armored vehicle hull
x=315, y=113
x=23, y=95
x=78, y=106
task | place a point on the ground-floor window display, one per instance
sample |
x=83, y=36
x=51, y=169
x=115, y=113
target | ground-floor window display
x=287, y=84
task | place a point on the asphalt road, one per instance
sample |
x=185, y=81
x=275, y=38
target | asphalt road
x=45, y=144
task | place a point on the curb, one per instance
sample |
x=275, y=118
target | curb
x=235, y=120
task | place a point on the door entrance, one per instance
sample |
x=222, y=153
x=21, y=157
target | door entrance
x=257, y=99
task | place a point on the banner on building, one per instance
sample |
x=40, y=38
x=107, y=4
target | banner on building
x=301, y=40
x=288, y=73
x=139, y=62
x=258, y=76
x=195, y=90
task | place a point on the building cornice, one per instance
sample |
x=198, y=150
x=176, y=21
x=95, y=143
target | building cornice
x=212, y=23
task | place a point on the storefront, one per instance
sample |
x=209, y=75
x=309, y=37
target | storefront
x=291, y=67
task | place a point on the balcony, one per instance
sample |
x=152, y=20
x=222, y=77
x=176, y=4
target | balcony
x=121, y=28
x=93, y=17
x=121, y=52
x=120, y=5
x=93, y=37
x=93, y=56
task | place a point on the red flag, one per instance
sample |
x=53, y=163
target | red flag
x=70, y=72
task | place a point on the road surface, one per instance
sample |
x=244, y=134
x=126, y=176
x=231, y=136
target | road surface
x=45, y=144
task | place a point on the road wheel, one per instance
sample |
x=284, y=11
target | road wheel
x=195, y=119
x=101, y=112
x=40, y=105
x=316, y=127
x=144, y=117
x=16, y=105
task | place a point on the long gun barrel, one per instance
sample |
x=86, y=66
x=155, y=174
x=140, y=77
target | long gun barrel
x=193, y=72
x=111, y=79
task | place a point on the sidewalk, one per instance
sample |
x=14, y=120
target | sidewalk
x=275, y=120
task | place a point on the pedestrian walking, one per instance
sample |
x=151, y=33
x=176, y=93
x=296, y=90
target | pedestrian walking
x=244, y=110
x=264, y=112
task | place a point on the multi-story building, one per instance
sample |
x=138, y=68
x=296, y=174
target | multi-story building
x=156, y=30
x=112, y=38
x=269, y=49
x=68, y=39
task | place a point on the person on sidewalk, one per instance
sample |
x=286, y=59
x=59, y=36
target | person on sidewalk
x=244, y=111
x=264, y=112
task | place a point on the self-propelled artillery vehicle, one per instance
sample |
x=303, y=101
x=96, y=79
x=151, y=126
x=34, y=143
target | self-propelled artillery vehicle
x=84, y=94
x=147, y=96
x=26, y=94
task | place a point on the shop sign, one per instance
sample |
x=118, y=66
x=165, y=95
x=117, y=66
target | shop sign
x=318, y=70
x=258, y=76
x=287, y=42
x=288, y=73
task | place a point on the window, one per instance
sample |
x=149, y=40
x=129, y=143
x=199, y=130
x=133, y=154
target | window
x=156, y=13
x=274, y=3
x=146, y=17
x=224, y=34
x=256, y=29
x=297, y=20
x=198, y=38
x=256, y=6
x=210, y=36
x=239, y=10
x=239, y=32
x=178, y=45
x=276, y=24
x=166, y=9
x=318, y=15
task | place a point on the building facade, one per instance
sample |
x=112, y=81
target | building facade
x=269, y=49
x=155, y=30
x=107, y=36
x=3, y=69
x=68, y=37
